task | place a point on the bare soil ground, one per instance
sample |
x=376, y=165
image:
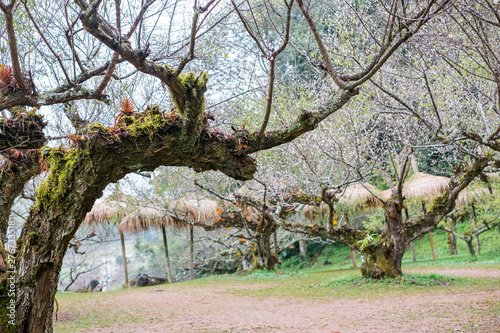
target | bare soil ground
x=216, y=310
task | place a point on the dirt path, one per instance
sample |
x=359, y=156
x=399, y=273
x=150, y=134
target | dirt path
x=204, y=310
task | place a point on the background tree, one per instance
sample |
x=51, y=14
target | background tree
x=98, y=155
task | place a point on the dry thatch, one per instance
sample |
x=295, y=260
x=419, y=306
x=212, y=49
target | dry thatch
x=386, y=195
x=467, y=196
x=424, y=186
x=133, y=214
x=201, y=210
x=108, y=210
x=360, y=194
x=146, y=218
x=312, y=213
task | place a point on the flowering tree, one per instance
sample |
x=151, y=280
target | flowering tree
x=83, y=48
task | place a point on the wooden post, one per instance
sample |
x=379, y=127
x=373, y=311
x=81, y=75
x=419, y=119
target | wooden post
x=124, y=257
x=353, y=256
x=303, y=249
x=475, y=222
x=276, y=245
x=431, y=239
x=413, y=254
x=432, y=246
x=165, y=246
x=412, y=246
x=191, y=239
x=478, y=245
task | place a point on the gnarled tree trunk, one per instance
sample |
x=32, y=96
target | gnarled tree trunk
x=452, y=243
x=380, y=261
x=263, y=256
x=470, y=246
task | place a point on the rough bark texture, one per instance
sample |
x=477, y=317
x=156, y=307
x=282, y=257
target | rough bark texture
x=396, y=230
x=77, y=178
x=24, y=131
x=470, y=246
x=14, y=174
x=263, y=256
x=452, y=243
x=379, y=261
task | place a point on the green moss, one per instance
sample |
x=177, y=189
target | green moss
x=96, y=128
x=149, y=122
x=32, y=238
x=62, y=165
x=439, y=202
x=193, y=100
x=163, y=69
x=380, y=264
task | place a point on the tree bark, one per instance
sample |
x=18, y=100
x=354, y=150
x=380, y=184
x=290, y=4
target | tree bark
x=263, y=256
x=303, y=249
x=276, y=245
x=124, y=258
x=472, y=252
x=167, y=257
x=380, y=261
x=395, y=227
x=191, y=251
x=452, y=243
x=24, y=131
x=478, y=245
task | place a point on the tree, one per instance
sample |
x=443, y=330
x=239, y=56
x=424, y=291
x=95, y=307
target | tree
x=98, y=154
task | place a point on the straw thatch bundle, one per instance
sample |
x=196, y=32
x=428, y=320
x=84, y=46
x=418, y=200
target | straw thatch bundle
x=312, y=213
x=105, y=211
x=467, y=196
x=386, y=194
x=133, y=214
x=360, y=194
x=424, y=186
x=201, y=210
x=146, y=218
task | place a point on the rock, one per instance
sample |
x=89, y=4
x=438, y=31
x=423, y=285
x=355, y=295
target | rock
x=143, y=280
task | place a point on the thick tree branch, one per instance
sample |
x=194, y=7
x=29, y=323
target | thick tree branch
x=14, y=55
x=187, y=89
x=22, y=98
x=22, y=132
x=445, y=203
x=306, y=122
x=14, y=174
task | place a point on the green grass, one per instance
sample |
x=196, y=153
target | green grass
x=340, y=256
x=348, y=284
x=310, y=279
x=94, y=310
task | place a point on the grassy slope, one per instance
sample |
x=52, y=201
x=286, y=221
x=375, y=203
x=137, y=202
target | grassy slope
x=340, y=256
x=105, y=309
x=315, y=281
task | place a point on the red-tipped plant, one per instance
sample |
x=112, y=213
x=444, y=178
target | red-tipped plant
x=127, y=107
x=6, y=76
